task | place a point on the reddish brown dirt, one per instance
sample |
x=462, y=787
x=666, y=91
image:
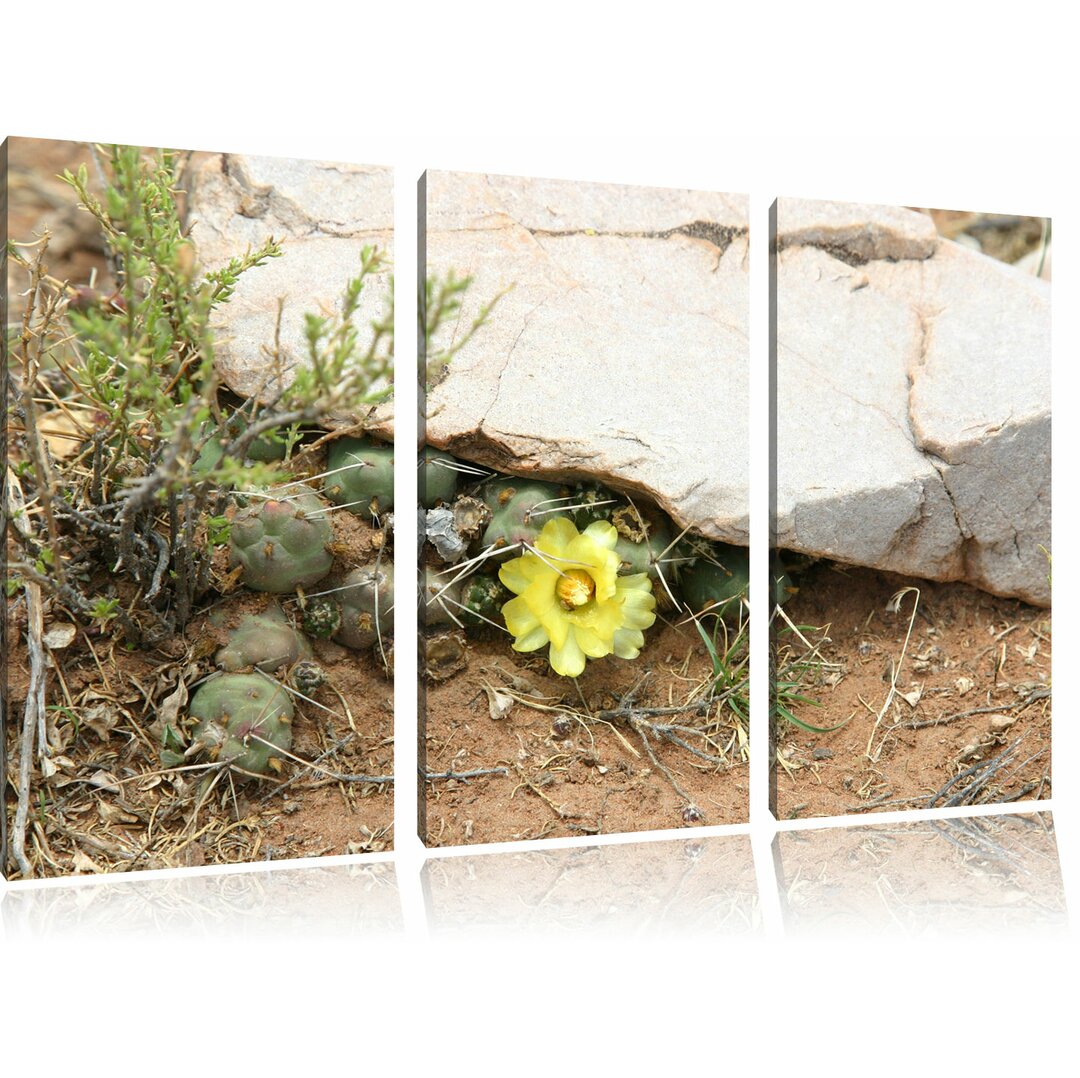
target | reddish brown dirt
x=594, y=777
x=111, y=807
x=971, y=657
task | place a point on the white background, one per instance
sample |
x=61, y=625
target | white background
x=914, y=106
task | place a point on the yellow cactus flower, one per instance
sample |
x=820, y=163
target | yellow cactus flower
x=569, y=595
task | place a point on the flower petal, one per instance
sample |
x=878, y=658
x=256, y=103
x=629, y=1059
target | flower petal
x=518, y=574
x=602, y=533
x=558, y=533
x=519, y=616
x=569, y=660
x=592, y=643
x=628, y=643
x=532, y=640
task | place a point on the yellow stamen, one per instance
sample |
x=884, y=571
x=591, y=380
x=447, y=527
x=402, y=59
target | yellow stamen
x=575, y=588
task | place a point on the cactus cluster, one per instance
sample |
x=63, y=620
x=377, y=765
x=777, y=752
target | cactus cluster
x=367, y=605
x=244, y=719
x=282, y=543
x=715, y=578
x=266, y=641
x=482, y=599
x=543, y=521
x=322, y=616
x=519, y=509
x=361, y=476
x=438, y=476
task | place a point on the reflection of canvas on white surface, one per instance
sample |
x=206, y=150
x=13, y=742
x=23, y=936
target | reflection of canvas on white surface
x=980, y=875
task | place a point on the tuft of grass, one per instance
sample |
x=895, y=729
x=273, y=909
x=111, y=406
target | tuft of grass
x=798, y=664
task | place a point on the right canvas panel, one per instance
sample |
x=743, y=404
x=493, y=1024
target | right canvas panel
x=910, y=508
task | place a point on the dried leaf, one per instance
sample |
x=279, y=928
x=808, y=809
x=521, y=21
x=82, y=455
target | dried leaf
x=964, y=685
x=912, y=697
x=499, y=703
x=168, y=711
x=81, y=863
x=113, y=814
x=59, y=635
x=105, y=780
x=101, y=718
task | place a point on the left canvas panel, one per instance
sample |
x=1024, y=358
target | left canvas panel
x=198, y=550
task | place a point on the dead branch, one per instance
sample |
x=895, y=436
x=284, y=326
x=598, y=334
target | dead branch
x=33, y=722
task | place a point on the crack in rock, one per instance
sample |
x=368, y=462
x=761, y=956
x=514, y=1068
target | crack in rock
x=720, y=236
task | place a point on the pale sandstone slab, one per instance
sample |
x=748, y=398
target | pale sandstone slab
x=323, y=213
x=621, y=351
x=913, y=409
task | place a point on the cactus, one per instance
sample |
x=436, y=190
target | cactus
x=306, y=676
x=238, y=713
x=483, y=598
x=519, y=510
x=282, y=545
x=266, y=447
x=322, y=617
x=265, y=640
x=717, y=579
x=361, y=476
x=643, y=556
x=367, y=606
x=439, y=599
x=438, y=477
x=595, y=503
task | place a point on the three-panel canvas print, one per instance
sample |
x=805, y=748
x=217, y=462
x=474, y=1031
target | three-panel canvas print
x=200, y=564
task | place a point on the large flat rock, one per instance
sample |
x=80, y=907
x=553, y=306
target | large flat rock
x=913, y=386
x=323, y=214
x=621, y=351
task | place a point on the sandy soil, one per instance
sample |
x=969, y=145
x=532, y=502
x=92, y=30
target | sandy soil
x=968, y=722
x=568, y=770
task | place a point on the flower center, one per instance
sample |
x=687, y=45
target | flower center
x=575, y=588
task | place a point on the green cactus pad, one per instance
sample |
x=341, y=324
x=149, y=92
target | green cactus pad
x=438, y=477
x=367, y=606
x=238, y=713
x=361, y=476
x=643, y=556
x=265, y=640
x=716, y=581
x=322, y=617
x=483, y=597
x=519, y=509
x=282, y=545
x=439, y=600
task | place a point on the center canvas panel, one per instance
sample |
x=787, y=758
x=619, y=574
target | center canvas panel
x=584, y=489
